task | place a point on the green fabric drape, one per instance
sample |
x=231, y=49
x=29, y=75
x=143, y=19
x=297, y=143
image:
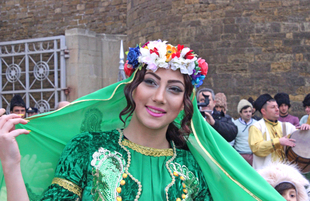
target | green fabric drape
x=228, y=175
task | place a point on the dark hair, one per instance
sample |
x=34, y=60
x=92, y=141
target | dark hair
x=17, y=100
x=306, y=101
x=251, y=100
x=174, y=133
x=284, y=186
x=244, y=108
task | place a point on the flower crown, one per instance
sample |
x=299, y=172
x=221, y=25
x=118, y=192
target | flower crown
x=158, y=54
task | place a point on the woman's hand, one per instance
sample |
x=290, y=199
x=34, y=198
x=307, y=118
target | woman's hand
x=10, y=156
x=9, y=151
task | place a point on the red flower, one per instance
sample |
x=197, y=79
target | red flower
x=180, y=47
x=203, y=66
x=145, y=44
x=189, y=55
x=177, y=54
x=154, y=51
x=128, y=69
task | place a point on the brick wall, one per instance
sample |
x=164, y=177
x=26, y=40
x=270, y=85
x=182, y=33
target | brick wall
x=23, y=19
x=253, y=47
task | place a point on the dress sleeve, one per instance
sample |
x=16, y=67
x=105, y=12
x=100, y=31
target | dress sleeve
x=258, y=145
x=70, y=174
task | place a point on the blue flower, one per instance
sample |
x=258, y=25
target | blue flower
x=197, y=80
x=133, y=55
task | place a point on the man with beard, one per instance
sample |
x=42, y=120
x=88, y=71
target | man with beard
x=266, y=137
x=241, y=145
x=284, y=105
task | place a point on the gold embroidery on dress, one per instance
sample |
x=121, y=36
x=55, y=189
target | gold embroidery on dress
x=147, y=150
x=70, y=186
x=190, y=182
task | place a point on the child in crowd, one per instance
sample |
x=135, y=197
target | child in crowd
x=287, y=180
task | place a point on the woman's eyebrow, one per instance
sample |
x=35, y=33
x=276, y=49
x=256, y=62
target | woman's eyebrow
x=169, y=81
x=153, y=75
x=173, y=81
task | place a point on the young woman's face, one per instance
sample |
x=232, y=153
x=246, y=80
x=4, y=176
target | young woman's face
x=290, y=194
x=159, y=98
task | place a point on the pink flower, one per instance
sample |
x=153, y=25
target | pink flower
x=203, y=66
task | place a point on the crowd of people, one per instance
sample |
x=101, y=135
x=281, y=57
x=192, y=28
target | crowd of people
x=261, y=141
x=147, y=138
x=18, y=106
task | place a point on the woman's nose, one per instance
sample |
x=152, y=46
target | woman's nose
x=159, y=95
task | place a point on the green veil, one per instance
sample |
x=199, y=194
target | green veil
x=228, y=175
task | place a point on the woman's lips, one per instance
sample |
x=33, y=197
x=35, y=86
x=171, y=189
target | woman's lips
x=155, y=112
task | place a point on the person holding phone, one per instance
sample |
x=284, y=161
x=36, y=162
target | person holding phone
x=221, y=122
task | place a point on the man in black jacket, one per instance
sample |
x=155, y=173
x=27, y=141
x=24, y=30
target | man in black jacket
x=221, y=122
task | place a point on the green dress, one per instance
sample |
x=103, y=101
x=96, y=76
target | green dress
x=105, y=166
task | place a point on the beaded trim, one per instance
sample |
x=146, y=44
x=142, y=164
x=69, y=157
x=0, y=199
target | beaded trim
x=70, y=186
x=147, y=150
x=128, y=164
x=170, y=172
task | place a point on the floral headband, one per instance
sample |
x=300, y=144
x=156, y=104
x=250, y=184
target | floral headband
x=158, y=54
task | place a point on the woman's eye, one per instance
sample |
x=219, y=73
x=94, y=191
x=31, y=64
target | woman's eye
x=176, y=89
x=150, y=82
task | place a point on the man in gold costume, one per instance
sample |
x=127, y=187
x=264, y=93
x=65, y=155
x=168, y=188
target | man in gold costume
x=266, y=137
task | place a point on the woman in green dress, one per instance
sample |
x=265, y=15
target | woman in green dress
x=151, y=144
x=148, y=159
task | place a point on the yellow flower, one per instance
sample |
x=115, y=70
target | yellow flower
x=170, y=50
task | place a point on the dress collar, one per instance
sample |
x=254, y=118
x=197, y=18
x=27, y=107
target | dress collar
x=148, y=151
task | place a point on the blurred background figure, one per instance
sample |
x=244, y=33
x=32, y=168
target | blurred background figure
x=217, y=118
x=241, y=145
x=257, y=118
x=62, y=104
x=287, y=180
x=32, y=111
x=306, y=104
x=18, y=106
x=284, y=105
x=220, y=109
x=220, y=101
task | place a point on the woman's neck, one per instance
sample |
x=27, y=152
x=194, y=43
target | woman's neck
x=147, y=137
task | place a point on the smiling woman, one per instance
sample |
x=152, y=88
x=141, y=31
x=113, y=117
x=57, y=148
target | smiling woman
x=151, y=144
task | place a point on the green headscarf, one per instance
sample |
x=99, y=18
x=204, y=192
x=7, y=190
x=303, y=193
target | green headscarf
x=228, y=175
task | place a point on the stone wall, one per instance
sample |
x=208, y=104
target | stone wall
x=23, y=19
x=93, y=62
x=252, y=46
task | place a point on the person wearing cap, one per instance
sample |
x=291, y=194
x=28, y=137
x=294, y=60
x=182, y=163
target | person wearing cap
x=18, y=106
x=287, y=180
x=284, y=105
x=266, y=138
x=306, y=104
x=32, y=111
x=217, y=118
x=241, y=145
x=257, y=118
